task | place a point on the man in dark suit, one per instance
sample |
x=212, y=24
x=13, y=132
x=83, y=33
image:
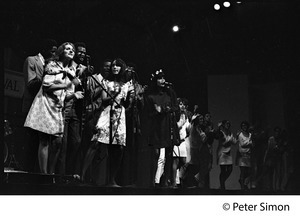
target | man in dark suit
x=69, y=159
x=33, y=75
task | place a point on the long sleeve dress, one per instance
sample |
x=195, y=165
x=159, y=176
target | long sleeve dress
x=224, y=156
x=244, y=150
x=102, y=134
x=45, y=114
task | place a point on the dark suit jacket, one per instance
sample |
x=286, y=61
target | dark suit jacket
x=33, y=70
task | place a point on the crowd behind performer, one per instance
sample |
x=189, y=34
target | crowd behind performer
x=33, y=70
x=196, y=167
x=287, y=162
x=45, y=114
x=211, y=135
x=163, y=110
x=273, y=159
x=224, y=154
x=111, y=125
x=134, y=105
x=95, y=85
x=68, y=161
x=260, y=143
x=243, y=158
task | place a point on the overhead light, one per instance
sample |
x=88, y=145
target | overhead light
x=226, y=4
x=175, y=28
x=217, y=7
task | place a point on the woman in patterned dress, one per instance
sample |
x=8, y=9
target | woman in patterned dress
x=224, y=157
x=111, y=126
x=45, y=114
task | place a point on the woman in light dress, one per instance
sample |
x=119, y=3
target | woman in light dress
x=224, y=155
x=244, y=139
x=110, y=129
x=45, y=114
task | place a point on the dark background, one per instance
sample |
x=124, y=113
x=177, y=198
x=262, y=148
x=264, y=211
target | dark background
x=254, y=36
x=257, y=38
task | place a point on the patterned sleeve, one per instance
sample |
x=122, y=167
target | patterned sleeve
x=51, y=72
x=51, y=68
x=49, y=80
x=126, y=88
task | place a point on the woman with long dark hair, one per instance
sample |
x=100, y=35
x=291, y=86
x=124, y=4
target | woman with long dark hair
x=163, y=114
x=110, y=129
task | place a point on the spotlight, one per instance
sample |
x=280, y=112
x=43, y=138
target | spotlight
x=226, y=4
x=217, y=7
x=175, y=28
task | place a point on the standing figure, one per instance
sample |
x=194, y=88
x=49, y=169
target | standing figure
x=210, y=133
x=194, y=171
x=260, y=143
x=111, y=125
x=46, y=112
x=273, y=159
x=180, y=152
x=94, y=88
x=69, y=161
x=224, y=157
x=33, y=70
x=244, y=139
x=134, y=106
x=163, y=131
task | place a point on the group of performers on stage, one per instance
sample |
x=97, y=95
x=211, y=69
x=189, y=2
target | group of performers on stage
x=74, y=115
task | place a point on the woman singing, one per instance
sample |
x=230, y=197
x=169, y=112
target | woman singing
x=163, y=110
x=110, y=129
x=45, y=114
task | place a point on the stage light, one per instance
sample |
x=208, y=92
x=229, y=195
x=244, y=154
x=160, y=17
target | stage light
x=217, y=7
x=175, y=28
x=226, y=4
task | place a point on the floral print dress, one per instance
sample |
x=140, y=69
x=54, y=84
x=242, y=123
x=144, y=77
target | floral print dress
x=45, y=114
x=118, y=116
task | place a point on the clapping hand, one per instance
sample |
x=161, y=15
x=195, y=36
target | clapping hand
x=76, y=81
x=79, y=94
x=157, y=108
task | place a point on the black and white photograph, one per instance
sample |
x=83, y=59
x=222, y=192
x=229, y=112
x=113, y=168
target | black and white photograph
x=152, y=98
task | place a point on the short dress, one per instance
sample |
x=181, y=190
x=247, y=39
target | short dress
x=244, y=150
x=118, y=116
x=224, y=149
x=180, y=151
x=45, y=114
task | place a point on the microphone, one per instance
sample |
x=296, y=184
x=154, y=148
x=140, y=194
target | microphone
x=88, y=56
x=168, y=83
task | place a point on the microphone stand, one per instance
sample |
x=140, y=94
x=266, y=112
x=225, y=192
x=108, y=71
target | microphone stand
x=136, y=123
x=111, y=110
x=83, y=112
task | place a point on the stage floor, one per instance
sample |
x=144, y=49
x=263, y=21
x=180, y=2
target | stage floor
x=16, y=182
